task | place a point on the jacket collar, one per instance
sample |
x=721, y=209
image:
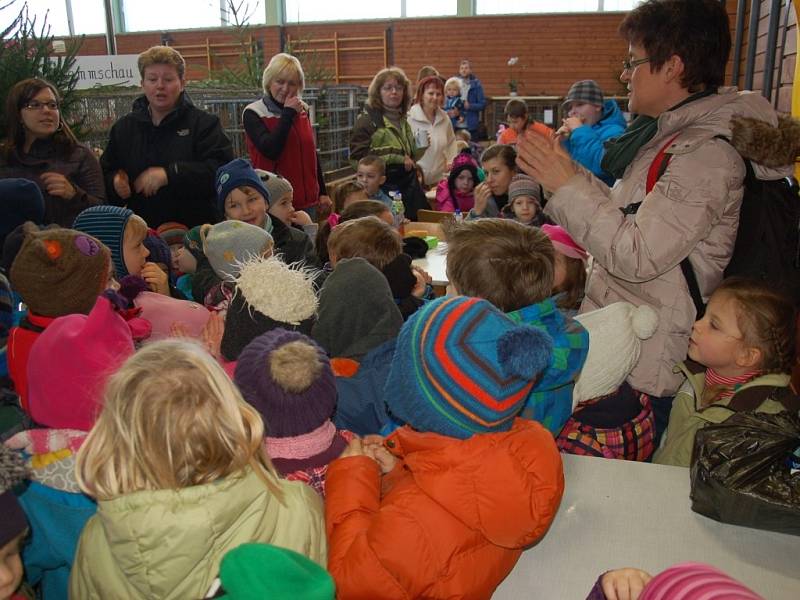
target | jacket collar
x=141, y=109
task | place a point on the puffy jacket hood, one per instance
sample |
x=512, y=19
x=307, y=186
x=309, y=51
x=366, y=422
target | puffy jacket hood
x=169, y=543
x=505, y=485
x=713, y=115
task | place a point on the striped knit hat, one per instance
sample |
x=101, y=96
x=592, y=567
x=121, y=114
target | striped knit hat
x=462, y=367
x=107, y=223
x=695, y=581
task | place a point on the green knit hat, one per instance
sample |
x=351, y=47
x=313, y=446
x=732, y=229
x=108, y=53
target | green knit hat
x=258, y=571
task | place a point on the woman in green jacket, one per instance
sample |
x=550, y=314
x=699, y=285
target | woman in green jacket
x=382, y=130
x=177, y=466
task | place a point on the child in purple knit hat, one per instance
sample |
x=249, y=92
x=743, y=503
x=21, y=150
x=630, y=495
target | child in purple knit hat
x=287, y=378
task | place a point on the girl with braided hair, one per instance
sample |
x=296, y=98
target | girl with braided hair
x=741, y=354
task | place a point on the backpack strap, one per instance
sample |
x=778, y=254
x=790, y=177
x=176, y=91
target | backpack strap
x=654, y=173
x=750, y=399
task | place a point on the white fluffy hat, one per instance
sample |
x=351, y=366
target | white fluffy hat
x=615, y=335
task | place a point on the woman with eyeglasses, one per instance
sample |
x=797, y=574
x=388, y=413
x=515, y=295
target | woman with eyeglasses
x=382, y=130
x=679, y=186
x=40, y=146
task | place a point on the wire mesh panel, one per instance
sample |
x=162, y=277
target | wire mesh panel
x=333, y=111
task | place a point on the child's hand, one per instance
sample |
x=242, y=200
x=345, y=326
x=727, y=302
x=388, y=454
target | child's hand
x=354, y=448
x=157, y=280
x=122, y=185
x=212, y=333
x=373, y=444
x=573, y=123
x=423, y=279
x=482, y=195
x=300, y=217
x=624, y=584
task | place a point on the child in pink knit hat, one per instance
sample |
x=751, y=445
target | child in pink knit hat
x=68, y=368
x=457, y=192
x=569, y=278
x=685, y=581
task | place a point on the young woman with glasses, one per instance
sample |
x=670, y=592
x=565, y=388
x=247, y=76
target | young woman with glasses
x=40, y=146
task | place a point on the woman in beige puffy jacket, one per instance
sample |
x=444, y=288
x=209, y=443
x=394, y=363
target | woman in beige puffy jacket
x=676, y=65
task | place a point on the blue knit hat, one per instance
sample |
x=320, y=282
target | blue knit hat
x=107, y=223
x=462, y=367
x=235, y=174
x=20, y=200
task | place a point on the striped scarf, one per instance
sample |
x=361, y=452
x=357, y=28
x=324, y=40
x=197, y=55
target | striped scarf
x=727, y=386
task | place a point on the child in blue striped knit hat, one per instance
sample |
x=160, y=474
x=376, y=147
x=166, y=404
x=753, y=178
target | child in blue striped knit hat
x=512, y=266
x=443, y=507
x=123, y=232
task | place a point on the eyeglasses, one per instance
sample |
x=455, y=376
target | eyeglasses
x=629, y=64
x=393, y=88
x=36, y=105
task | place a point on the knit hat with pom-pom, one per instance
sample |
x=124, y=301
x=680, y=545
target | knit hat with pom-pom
x=615, y=339
x=269, y=294
x=462, y=367
x=287, y=378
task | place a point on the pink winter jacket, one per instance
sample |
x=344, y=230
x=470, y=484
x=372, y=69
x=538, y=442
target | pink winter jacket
x=693, y=211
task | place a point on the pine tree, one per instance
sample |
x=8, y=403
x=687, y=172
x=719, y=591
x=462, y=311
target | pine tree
x=27, y=51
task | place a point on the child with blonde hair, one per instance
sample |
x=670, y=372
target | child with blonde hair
x=741, y=354
x=177, y=466
x=454, y=104
x=124, y=232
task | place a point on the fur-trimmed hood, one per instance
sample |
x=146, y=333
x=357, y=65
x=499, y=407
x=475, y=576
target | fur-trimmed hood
x=766, y=144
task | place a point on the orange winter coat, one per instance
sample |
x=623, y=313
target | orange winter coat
x=449, y=521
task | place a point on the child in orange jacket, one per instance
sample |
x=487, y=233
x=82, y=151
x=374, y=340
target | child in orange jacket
x=443, y=507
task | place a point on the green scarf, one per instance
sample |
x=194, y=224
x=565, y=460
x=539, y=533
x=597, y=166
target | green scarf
x=620, y=152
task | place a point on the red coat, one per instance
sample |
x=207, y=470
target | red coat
x=451, y=519
x=20, y=342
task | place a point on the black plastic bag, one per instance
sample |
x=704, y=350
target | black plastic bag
x=742, y=471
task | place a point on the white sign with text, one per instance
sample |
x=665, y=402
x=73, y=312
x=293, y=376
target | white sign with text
x=119, y=69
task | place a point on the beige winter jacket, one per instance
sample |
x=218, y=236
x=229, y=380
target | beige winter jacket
x=693, y=211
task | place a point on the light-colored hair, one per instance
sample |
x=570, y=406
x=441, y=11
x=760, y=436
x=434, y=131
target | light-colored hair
x=162, y=55
x=454, y=82
x=340, y=193
x=369, y=238
x=135, y=229
x=371, y=160
x=279, y=64
x=427, y=71
x=171, y=419
x=509, y=264
x=374, y=92
x=362, y=208
x=766, y=318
